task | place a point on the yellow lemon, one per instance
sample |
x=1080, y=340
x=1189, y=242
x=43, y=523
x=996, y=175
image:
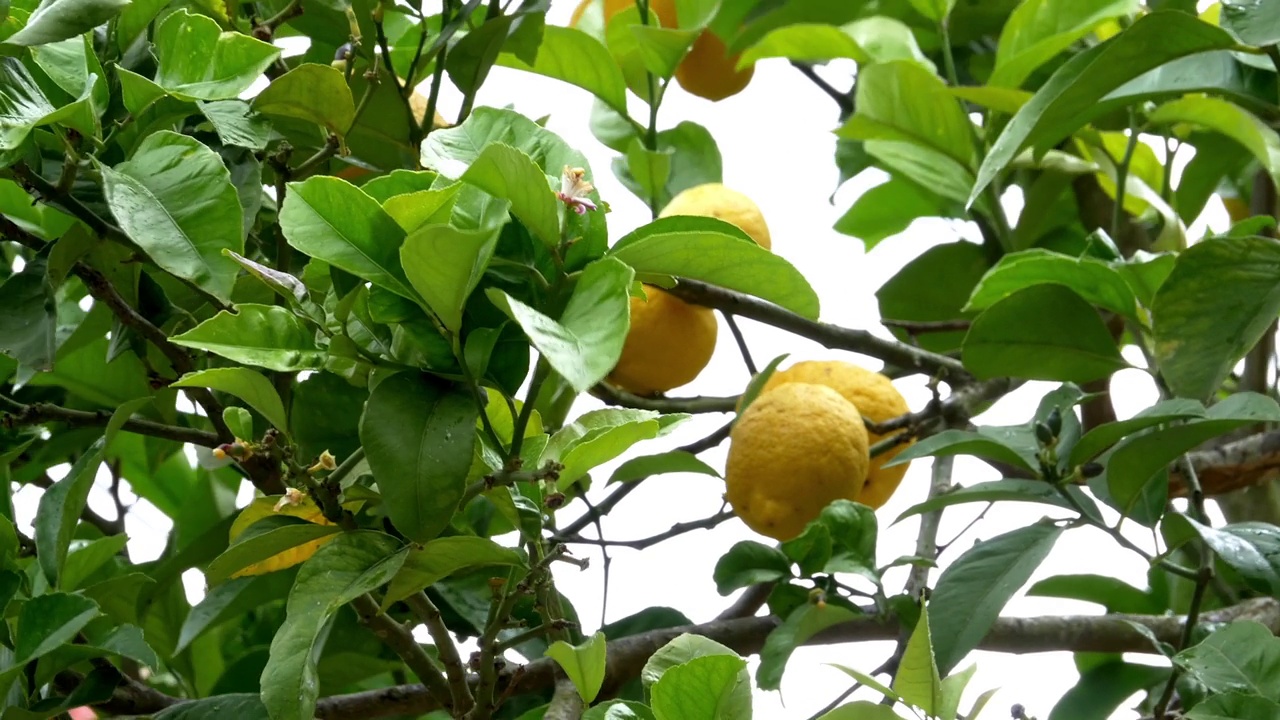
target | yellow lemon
x=669, y=343
x=794, y=451
x=710, y=72
x=717, y=201
x=876, y=399
x=263, y=507
x=418, y=104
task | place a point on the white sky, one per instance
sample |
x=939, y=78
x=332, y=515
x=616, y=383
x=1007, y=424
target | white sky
x=777, y=147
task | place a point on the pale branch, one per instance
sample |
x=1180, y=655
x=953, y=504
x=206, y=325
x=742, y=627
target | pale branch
x=17, y=413
x=455, y=671
x=565, y=703
x=826, y=334
x=612, y=395
x=927, y=537
x=749, y=602
x=400, y=639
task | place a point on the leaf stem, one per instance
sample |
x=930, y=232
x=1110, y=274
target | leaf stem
x=1122, y=176
x=741, y=341
x=540, y=373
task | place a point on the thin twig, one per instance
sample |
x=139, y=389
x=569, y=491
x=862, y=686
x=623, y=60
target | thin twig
x=922, y=327
x=19, y=414
x=614, y=395
x=676, y=530
x=400, y=639
x=430, y=616
x=843, y=100
x=742, y=342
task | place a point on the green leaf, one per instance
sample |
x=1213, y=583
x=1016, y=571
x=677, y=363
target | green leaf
x=1116, y=595
x=869, y=40
x=47, y=621
x=1013, y=445
x=236, y=123
x=578, y=59
x=1135, y=463
x=917, y=681
x=648, y=170
x=1234, y=550
x=174, y=198
x=1253, y=21
x=803, y=623
x=198, y=61
x=672, y=461
x=585, y=343
x=1008, y=490
x=59, y=512
x=1228, y=119
x=444, y=264
x=889, y=208
x=619, y=710
x=692, y=156
x=1094, y=280
x=1244, y=657
x=88, y=559
x=598, y=437
x=1104, y=436
x=1040, y=29
x=929, y=168
x=584, y=664
x=973, y=590
x=755, y=386
x=450, y=151
x=952, y=691
x=867, y=680
x=717, y=257
x=263, y=540
x=29, y=323
x=934, y=287
x=55, y=20
x=353, y=564
x=1043, y=332
x=311, y=92
x=414, y=209
x=398, y=182
x=748, y=563
x=935, y=10
x=235, y=705
x=22, y=104
x=442, y=557
x=332, y=220
x=268, y=336
x=508, y=173
x=862, y=710
x=680, y=650
x=1220, y=298
x=419, y=436
x=245, y=384
x=232, y=599
x=705, y=688
x=1070, y=98
x=1101, y=690
x=1235, y=706
x=903, y=101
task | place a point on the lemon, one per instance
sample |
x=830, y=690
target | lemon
x=265, y=507
x=876, y=399
x=1237, y=209
x=669, y=343
x=418, y=104
x=664, y=9
x=792, y=452
x=710, y=72
x=717, y=201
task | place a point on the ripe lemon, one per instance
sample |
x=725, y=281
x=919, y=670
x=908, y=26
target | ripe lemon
x=265, y=507
x=792, y=453
x=664, y=9
x=876, y=399
x=669, y=343
x=710, y=72
x=717, y=201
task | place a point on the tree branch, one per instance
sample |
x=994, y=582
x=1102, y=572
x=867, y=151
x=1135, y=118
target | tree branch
x=39, y=413
x=612, y=395
x=676, y=530
x=830, y=336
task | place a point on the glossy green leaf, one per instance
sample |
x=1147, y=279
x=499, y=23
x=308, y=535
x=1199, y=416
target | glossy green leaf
x=584, y=664
x=267, y=336
x=1116, y=595
x=236, y=705
x=1104, y=436
x=442, y=557
x=803, y=623
x=618, y=710
x=88, y=559
x=55, y=20
x=444, y=264
x=889, y=208
x=861, y=710
x=1235, y=706
x=174, y=198
x=412, y=210
x=450, y=151
x=576, y=58
x=353, y=564
x=704, y=688
x=757, y=383
x=941, y=173
x=917, y=681
x=692, y=158
x=902, y=101
x=935, y=10
x=1043, y=332
x=1040, y=29
x=419, y=436
x=1253, y=21
x=199, y=61
x=1229, y=119
x=988, y=442
x=47, y=621
x=1243, y=556
x=972, y=591
x=586, y=341
x=1102, y=689
x=398, y=182
x=680, y=650
x=22, y=104
x=869, y=40
x=1244, y=657
x=59, y=512
x=509, y=173
x=934, y=287
x=311, y=92
x=1008, y=490
x=332, y=220
x=245, y=384
x=263, y=540
x=28, y=325
x=747, y=563
x=673, y=461
x=237, y=124
x=648, y=170
x=231, y=600
x=600, y=436
x=1090, y=278
x=1070, y=98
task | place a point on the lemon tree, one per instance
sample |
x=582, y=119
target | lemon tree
x=320, y=362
